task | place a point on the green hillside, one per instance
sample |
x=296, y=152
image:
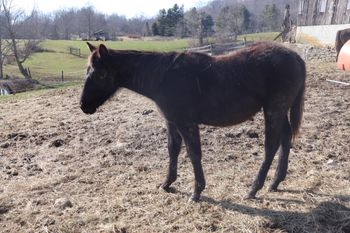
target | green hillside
x=55, y=58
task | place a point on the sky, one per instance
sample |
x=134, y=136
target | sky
x=128, y=8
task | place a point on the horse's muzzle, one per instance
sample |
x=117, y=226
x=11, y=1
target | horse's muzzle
x=88, y=110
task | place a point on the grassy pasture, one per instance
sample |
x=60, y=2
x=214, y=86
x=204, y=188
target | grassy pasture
x=148, y=45
x=55, y=57
x=259, y=36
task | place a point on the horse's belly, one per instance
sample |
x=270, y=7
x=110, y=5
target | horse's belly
x=226, y=114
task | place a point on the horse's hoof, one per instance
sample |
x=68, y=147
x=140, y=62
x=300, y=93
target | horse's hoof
x=168, y=189
x=249, y=196
x=194, y=198
x=273, y=189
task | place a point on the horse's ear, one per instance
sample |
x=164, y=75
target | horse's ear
x=91, y=47
x=102, y=50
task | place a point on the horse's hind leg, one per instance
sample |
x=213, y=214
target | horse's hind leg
x=282, y=166
x=191, y=136
x=273, y=128
x=174, y=148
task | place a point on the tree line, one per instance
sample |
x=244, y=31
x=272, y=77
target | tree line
x=229, y=20
x=218, y=16
x=70, y=23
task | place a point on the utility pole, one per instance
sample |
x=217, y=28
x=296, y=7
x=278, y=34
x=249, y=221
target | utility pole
x=286, y=25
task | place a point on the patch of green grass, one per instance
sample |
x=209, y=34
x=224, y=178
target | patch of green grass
x=50, y=65
x=23, y=95
x=54, y=63
x=269, y=36
x=147, y=45
x=4, y=98
x=56, y=58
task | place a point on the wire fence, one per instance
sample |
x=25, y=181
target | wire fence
x=40, y=87
x=41, y=80
x=46, y=79
x=60, y=76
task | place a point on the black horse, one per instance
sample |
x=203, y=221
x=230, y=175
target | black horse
x=341, y=38
x=193, y=88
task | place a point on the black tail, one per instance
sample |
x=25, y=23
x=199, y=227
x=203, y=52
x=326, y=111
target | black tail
x=297, y=109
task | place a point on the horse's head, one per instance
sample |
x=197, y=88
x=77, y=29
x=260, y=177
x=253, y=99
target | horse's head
x=100, y=83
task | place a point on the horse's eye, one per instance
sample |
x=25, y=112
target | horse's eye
x=104, y=74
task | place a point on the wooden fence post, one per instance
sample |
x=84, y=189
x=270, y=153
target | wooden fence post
x=62, y=77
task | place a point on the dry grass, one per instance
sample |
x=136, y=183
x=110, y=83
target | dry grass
x=110, y=165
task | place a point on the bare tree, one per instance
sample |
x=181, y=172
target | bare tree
x=115, y=24
x=65, y=22
x=13, y=20
x=87, y=15
x=5, y=52
x=5, y=46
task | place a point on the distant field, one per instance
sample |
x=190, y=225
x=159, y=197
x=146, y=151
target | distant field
x=56, y=58
x=148, y=45
x=259, y=36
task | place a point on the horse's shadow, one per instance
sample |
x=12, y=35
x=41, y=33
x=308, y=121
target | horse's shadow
x=327, y=216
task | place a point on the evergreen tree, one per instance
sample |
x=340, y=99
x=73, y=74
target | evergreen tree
x=192, y=20
x=245, y=16
x=200, y=24
x=233, y=20
x=155, y=30
x=162, y=22
x=271, y=17
x=168, y=20
x=207, y=23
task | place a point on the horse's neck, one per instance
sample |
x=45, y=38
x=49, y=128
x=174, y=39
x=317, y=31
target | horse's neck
x=142, y=73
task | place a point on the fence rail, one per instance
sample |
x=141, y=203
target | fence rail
x=217, y=49
x=75, y=51
x=203, y=49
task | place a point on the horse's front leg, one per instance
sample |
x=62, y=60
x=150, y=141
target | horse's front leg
x=174, y=148
x=190, y=134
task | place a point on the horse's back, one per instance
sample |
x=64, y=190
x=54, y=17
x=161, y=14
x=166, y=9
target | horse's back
x=230, y=89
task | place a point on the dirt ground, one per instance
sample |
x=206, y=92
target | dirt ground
x=64, y=171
